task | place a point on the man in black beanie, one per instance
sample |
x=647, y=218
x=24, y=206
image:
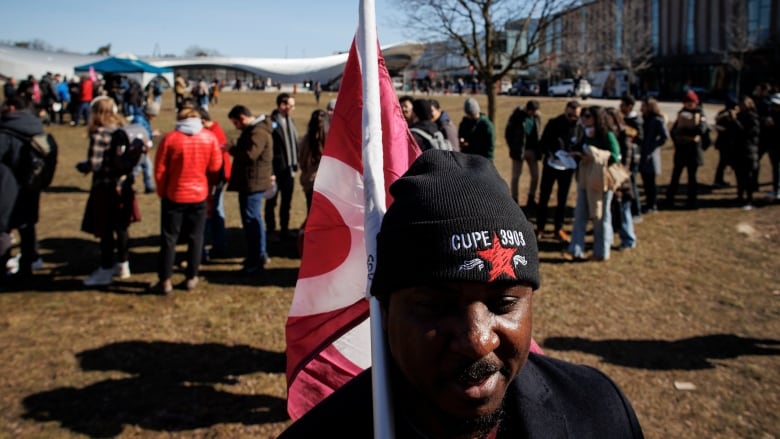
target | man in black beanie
x=457, y=265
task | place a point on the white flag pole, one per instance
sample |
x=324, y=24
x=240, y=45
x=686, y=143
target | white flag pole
x=374, y=187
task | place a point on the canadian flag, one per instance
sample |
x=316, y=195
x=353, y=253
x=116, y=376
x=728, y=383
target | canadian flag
x=328, y=338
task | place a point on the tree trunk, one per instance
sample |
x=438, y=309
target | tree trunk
x=490, y=91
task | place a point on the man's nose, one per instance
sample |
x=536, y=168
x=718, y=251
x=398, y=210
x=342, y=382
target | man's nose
x=475, y=336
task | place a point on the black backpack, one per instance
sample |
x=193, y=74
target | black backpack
x=37, y=161
x=128, y=144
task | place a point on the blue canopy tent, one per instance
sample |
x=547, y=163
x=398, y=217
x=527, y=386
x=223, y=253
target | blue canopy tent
x=133, y=68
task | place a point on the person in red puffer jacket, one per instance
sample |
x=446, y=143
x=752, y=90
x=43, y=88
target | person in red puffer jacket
x=184, y=159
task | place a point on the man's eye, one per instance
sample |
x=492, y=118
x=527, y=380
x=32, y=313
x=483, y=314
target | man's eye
x=503, y=305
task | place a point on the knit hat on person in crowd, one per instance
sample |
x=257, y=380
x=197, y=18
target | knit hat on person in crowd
x=331, y=105
x=691, y=96
x=471, y=106
x=453, y=219
x=152, y=109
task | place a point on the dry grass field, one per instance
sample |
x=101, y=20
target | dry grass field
x=697, y=302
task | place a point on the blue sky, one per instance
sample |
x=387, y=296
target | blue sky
x=265, y=28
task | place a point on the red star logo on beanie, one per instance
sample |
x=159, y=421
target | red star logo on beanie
x=500, y=259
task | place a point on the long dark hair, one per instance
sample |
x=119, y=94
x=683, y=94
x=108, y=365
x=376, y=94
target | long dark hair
x=599, y=122
x=614, y=120
x=651, y=107
x=316, y=132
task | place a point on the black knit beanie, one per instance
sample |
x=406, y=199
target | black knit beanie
x=453, y=219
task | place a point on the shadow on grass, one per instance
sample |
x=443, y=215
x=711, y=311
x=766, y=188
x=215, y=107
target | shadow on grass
x=281, y=277
x=173, y=388
x=693, y=353
x=65, y=189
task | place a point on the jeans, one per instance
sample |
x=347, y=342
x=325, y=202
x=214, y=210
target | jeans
x=215, y=233
x=175, y=218
x=249, y=206
x=83, y=109
x=625, y=223
x=529, y=157
x=636, y=204
x=145, y=165
x=602, y=228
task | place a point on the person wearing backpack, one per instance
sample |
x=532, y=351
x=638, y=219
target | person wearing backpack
x=111, y=206
x=425, y=132
x=17, y=127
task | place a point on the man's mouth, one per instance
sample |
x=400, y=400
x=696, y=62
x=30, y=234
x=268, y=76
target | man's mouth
x=480, y=380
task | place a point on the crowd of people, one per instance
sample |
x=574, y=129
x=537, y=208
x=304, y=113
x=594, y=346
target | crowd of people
x=585, y=144
x=196, y=163
x=193, y=165
x=479, y=373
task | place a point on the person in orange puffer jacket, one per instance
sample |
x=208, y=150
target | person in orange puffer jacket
x=184, y=159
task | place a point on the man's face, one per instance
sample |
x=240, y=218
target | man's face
x=288, y=107
x=436, y=113
x=573, y=114
x=457, y=346
x=406, y=109
x=238, y=122
x=689, y=105
x=626, y=108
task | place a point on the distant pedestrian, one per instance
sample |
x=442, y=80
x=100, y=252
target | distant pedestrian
x=252, y=175
x=285, y=161
x=476, y=132
x=183, y=161
x=690, y=134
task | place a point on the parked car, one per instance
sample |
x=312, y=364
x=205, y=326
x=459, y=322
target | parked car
x=525, y=87
x=567, y=87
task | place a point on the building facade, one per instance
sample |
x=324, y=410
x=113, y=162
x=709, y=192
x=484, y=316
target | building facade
x=717, y=47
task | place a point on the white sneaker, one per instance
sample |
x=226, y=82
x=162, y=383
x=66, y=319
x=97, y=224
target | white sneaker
x=100, y=277
x=12, y=265
x=122, y=270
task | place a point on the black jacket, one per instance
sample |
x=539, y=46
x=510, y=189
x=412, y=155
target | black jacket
x=25, y=203
x=549, y=399
x=560, y=133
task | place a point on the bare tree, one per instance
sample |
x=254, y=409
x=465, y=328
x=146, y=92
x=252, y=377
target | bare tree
x=104, y=50
x=478, y=31
x=200, y=51
x=636, y=51
x=585, y=36
x=608, y=34
x=35, y=44
x=738, y=42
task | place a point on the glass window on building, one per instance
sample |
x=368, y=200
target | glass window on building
x=655, y=26
x=690, y=20
x=619, y=28
x=759, y=14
